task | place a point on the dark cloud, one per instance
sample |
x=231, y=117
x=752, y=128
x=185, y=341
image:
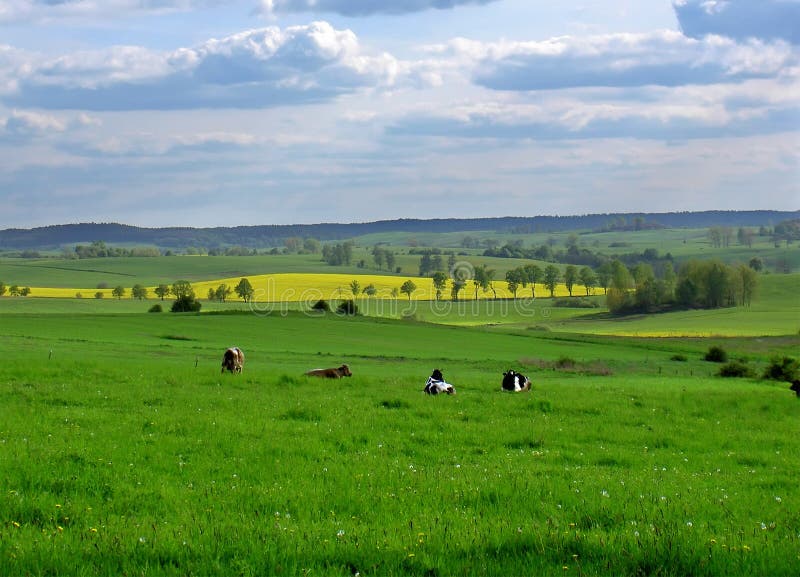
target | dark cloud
x=365, y=7
x=740, y=19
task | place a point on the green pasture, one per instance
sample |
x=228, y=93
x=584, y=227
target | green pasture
x=124, y=451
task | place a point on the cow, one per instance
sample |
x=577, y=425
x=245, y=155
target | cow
x=516, y=382
x=233, y=360
x=795, y=387
x=436, y=384
x=337, y=373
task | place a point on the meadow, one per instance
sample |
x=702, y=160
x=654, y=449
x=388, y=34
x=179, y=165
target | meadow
x=125, y=451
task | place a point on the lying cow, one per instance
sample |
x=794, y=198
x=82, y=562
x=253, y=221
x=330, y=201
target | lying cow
x=516, y=382
x=338, y=373
x=436, y=384
x=233, y=360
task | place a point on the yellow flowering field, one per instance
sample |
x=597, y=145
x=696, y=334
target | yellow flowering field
x=296, y=287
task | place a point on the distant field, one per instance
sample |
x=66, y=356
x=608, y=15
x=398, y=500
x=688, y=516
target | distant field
x=775, y=310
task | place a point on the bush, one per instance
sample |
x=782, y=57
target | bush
x=156, y=308
x=680, y=358
x=783, y=369
x=347, y=307
x=186, y=304
x=716, y=355
x=736, y=369
x=564, y=362
x=575, y=303
x=321, y=305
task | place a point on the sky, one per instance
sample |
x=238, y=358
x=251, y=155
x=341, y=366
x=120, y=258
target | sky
x=206, y=113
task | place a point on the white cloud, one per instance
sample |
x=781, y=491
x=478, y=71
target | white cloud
x=252, y=69
x=663, y=58
x=23, y=123
x=740, y=19
x=363, y=7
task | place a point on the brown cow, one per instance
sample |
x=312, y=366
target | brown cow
x=338, y=373
x=233, y=360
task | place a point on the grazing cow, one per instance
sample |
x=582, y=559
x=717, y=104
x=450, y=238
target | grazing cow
x=337, y=373
x=516, y=382
x=436, y=384
x=233, y=360
x=795, y=387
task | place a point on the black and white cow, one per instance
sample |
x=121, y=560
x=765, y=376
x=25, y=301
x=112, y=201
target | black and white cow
x=795, y=387
x=516, y=382
x=436, y=384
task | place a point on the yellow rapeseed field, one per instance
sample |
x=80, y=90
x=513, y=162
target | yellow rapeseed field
x=296, y=287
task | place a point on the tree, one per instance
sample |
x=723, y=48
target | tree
x=245, y=290
x=533, y=274
x=551, y=277
x=311, y=245
x=162, y=291
x=182, y=288
x=604, y=273
x=355, y=287
x=26, y=291
x=478, y=279
x=378, y=255
x=745, y=236
x=2, y=288
x=119, y=292
x=212, y=294
x=14, y=290
x=138, y=292
x=514, y=278
x=755, y=263
x=456, y=287
x=488, y=281
x=222, y=292
x=98, y=295
x=407, y=288
x=390, y=260
x=587, y=278
x=570, y=277
x=370, y=290
x=185, y=304
x=439, y=283
x=749, y=280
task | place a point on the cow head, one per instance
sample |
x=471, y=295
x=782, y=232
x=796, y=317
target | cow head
x=344, y=370
x=437, y=375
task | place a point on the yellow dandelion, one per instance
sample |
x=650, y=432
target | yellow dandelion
x=15, y=524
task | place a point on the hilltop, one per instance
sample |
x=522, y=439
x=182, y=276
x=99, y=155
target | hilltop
x=55, y=236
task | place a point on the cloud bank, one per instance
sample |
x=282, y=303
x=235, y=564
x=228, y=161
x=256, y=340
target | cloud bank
x=663, y=58
x=253, y=69
x=740, y=19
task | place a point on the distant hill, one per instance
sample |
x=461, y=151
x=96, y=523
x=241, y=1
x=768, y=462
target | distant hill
x=56, y=236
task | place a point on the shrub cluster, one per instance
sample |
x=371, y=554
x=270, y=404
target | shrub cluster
x=716, y=355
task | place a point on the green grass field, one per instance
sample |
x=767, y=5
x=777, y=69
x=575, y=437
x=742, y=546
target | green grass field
x=124, y=451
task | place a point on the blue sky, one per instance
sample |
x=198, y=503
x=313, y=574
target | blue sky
x=211, y=113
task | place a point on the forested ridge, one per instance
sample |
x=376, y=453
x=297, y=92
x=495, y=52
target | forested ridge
x=260, y=236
